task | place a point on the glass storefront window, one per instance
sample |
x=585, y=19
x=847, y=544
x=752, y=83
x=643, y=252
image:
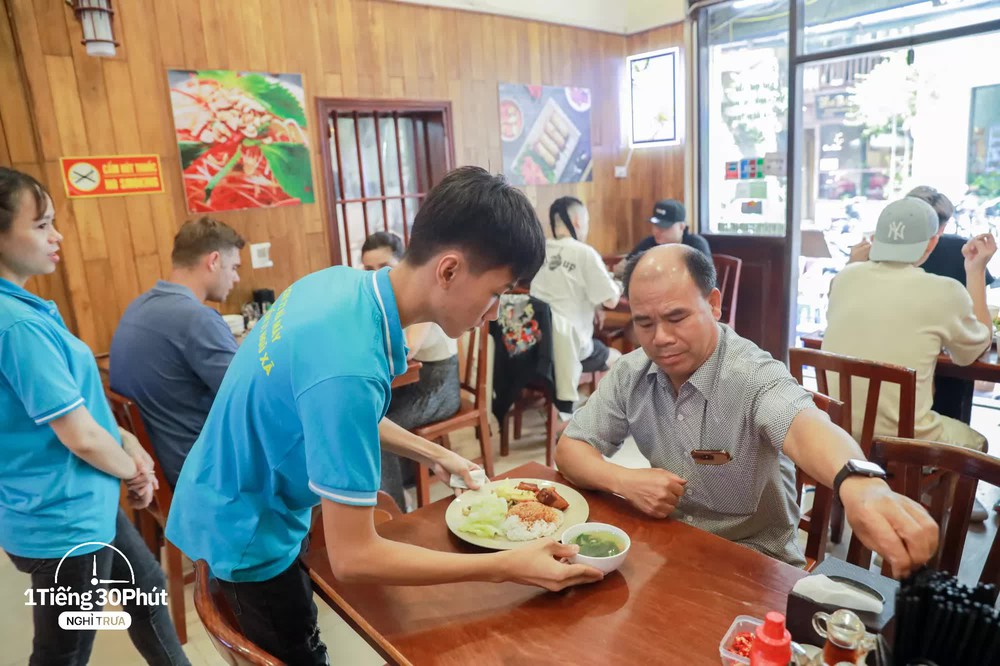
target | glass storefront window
x=747, y=43
x=835, y=24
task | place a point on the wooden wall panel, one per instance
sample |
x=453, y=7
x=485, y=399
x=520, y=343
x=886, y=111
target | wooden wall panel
x=60, y=102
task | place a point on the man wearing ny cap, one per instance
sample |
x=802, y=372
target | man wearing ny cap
x=890, y=310
x=668, y=227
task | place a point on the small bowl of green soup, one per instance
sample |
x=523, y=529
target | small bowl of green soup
x=602, y=546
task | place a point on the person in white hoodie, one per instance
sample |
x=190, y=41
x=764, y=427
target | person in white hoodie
x=575, y=283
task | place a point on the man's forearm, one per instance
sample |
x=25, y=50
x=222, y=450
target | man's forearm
x=819, y=447
x=975, y=284
x=586, y=467
x=402, y=442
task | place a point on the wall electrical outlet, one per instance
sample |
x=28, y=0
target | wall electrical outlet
x=260, y=255
x=621, y=171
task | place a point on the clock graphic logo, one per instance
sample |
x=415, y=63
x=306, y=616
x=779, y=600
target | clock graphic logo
x=94, y=578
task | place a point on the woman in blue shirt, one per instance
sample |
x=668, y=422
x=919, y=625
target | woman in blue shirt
x=64, y=457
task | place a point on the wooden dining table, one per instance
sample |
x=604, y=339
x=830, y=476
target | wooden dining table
x=671, y=602
x=986, y=368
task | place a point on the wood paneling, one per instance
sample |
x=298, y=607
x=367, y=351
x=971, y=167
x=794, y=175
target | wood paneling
x=762, y=293
x=58, y=102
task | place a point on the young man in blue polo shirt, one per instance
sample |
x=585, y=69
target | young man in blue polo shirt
x=299, y=420
x=170, y=350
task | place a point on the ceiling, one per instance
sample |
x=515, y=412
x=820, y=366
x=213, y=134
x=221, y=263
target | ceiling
x=618, y=16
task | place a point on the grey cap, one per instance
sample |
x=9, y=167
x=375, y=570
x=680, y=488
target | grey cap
x=904, y=228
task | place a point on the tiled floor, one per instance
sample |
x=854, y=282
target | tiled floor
x=346, y=647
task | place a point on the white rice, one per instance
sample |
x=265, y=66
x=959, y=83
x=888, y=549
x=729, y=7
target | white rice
x=518, y=530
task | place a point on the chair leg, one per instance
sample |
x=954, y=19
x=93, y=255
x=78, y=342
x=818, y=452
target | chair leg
x=485, y=443
x=505, y=436
x=837, y=521
x=423, y=486
x=550, y=434
x=149, y=530
x=175, y=588
x=517, y=423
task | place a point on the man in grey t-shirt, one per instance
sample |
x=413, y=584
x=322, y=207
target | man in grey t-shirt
x=722, y=423
x=170, y=350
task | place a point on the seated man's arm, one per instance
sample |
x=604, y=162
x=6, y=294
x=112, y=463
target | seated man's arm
x=597, y=430
x=892, y=525
x=211, y=346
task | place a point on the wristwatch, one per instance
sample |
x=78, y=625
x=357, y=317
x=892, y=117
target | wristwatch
x=856, y=467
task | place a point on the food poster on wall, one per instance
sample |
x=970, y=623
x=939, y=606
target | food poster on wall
x=545, y=131
x=242, y=139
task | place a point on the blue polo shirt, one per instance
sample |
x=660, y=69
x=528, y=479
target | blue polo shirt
x=50, y=499
x=296, y=419
x=169, y=354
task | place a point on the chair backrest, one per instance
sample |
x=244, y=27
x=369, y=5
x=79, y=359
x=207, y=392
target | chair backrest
x=221, y=624
x=819, y=518
x=848, y=368
x=904, y=460
x=727, y=272
x=127, y=416
x=472, y=369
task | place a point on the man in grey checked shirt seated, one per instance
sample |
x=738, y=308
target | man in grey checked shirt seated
x=698, y=391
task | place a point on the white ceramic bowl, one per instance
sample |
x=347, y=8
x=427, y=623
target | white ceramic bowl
x=605, y=564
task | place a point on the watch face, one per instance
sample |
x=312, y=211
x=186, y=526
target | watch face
x=866, y=467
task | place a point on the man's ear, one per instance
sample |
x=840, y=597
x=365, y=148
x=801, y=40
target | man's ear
x=447, y=267
x=213, y=261
x=714, y=299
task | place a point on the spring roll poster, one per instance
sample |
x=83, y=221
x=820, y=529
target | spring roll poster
x=545, y=134
x=242, y=139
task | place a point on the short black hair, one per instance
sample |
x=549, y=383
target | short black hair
x=381, y=239
x=560, y=207
x=485, y=217
x=12, y=183
x=700, y=267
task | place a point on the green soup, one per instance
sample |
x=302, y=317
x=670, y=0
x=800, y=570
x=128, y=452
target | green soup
x=599, y=544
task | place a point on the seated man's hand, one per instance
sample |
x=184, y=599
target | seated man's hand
x=860, y=252
x=655, y=492
x=599, y=315
x=894, y=526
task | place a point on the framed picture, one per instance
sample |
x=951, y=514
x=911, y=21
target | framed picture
x=653, y=98
x=545, y=132
x=242, y=139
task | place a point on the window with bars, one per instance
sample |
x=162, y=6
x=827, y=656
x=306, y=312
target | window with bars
x=380, y=160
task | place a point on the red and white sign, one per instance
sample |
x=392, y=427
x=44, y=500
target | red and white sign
x=110, y=176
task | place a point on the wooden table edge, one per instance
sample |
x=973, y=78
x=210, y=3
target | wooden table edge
x=358, y=624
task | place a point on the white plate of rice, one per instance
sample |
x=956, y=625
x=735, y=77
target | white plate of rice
x=523, y=523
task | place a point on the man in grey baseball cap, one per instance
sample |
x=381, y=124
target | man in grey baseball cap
x=890, y=310
x=906, y=232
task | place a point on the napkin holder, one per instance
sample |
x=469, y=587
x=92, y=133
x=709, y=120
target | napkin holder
x=800, y=610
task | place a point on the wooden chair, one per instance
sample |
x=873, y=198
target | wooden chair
x=816, y=521
x=536, y=396
x=216, y=614
x=153, y=520
x=848, y=368
x=904, y=461
x=727, y=271
x=472, y=413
